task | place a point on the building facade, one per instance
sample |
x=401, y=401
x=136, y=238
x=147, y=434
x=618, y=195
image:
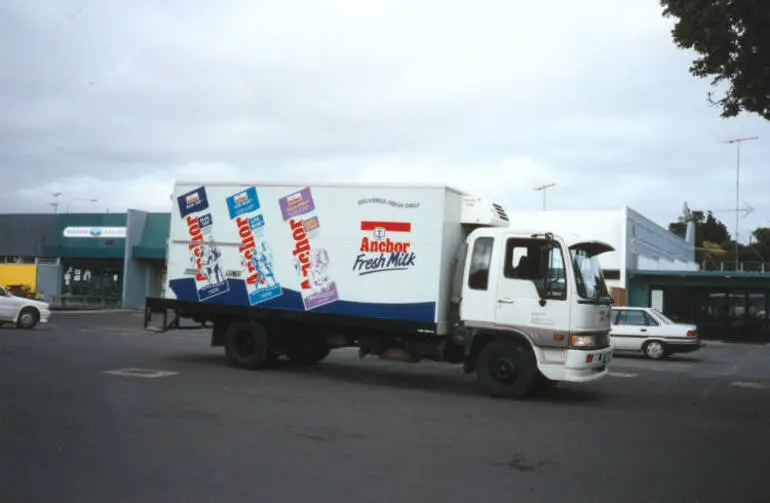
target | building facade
x=86, y=260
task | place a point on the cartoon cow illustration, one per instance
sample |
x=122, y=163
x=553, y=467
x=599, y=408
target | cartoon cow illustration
x=319, y=266
x=210, y=262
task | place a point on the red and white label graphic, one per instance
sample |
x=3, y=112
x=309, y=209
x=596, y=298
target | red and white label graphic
x=385, y=247
x=379, y=242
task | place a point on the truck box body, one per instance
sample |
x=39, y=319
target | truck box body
x=383, y=252
x=406, y=273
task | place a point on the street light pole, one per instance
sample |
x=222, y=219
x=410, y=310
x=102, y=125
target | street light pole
x=737, y=142
x=543, y=188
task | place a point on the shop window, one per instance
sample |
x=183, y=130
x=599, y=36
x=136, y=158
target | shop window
x=757, y=307
x=93, y=279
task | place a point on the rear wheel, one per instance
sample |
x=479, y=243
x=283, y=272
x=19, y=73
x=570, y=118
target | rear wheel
x=507, y=369
x=28, y=318
x=246, y=345
x=654, y=350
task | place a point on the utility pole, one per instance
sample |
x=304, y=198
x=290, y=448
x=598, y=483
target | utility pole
x=543, y=188
x=737, y=142
x=55, y=202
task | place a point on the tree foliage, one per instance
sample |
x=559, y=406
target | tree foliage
x=707, y=228
x=732, y=40
x=713, y=243
x=712, y=239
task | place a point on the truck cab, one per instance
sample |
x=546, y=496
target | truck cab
x=532, y=300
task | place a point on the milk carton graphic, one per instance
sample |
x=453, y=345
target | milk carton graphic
x=205, y=256
x=311, y=262
x=256, y=256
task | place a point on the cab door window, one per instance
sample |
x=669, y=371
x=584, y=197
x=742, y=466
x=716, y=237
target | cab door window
x=478, y=276
x=539, y=261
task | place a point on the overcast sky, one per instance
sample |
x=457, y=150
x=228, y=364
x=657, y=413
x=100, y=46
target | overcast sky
x=114, y=100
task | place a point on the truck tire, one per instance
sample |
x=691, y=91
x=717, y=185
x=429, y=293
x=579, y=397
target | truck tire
x=28, y=318
x=507, y=369
x=306, y=354
x=246, y=345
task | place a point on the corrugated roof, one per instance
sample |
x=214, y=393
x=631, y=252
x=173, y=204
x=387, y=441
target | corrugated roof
x=26, y=235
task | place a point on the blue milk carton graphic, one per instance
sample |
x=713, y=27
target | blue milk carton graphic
x=205, y=256
x=256, y=256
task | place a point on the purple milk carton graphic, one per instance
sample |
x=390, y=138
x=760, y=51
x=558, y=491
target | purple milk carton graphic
x=310, y=262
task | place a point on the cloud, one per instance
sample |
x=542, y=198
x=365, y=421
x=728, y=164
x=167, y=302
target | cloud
x=116, y=100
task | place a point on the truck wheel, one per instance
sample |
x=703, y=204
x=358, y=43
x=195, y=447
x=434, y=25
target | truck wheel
x=507, y=369
x=28, y=318
x=246, y=344
x=306, y=354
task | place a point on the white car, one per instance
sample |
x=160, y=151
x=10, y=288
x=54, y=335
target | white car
x=647, y=330
x=24, y=313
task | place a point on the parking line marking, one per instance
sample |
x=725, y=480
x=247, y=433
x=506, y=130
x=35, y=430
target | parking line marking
x=622, y=374
x=133, y=372
x=747, y=384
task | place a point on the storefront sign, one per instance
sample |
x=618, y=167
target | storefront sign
x=95, y=232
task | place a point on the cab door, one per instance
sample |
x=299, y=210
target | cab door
x=532, y=289
x=480, y=287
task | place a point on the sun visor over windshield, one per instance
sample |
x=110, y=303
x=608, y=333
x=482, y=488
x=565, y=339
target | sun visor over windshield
x=593, y=248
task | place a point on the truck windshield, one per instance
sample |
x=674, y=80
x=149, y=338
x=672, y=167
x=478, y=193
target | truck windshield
x=588, y=274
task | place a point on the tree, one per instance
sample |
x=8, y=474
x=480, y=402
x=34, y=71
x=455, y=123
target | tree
x=712, y=238
x=732, y=39
x=714, y=231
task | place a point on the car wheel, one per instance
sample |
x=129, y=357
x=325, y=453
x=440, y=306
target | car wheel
x=28, y=318
x=654, y=350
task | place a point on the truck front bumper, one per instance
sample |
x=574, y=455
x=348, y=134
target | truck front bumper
x=578, y=365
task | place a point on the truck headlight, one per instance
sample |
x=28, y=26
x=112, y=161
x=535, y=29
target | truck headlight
x=582, y=341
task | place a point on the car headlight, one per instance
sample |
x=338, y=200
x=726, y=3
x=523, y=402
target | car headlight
x=581, y=341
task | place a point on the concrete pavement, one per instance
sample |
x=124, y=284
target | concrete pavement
x=363, y=431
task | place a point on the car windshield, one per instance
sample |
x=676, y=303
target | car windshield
x=588, y=274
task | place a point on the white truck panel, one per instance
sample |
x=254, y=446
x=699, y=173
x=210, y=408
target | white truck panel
x=359, y=250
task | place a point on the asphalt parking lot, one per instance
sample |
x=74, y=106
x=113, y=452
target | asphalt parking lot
x=692, y=429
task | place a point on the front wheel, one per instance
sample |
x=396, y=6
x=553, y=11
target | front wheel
x=654, y=350
x=28, y=318
x=507, y=369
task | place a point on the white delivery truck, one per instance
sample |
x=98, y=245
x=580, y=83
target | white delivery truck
x=401, y=272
